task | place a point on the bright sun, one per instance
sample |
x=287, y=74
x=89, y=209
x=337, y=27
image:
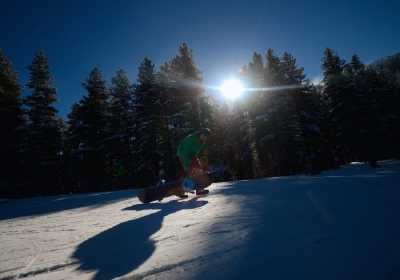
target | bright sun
x=232, y=89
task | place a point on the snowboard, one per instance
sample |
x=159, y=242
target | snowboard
x=161, y=191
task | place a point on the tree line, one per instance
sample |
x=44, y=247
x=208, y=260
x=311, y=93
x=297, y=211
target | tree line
x=125, y=134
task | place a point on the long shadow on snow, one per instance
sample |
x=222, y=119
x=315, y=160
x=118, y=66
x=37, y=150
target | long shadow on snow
x=46, y=205
x=124, y=247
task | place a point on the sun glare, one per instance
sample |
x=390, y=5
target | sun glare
x=232, y=89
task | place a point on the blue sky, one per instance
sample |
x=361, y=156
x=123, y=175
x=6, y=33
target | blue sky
x=78, y=35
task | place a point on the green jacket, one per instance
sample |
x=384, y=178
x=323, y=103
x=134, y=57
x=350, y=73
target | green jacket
x=189, y=148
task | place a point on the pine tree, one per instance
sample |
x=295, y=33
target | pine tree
x=281, y=116
x=357, y=107
x=384, y=75
x=274, y=130
x=256, y=70
x=89, y=136
x=121, y=124
x=242, y=144
x=312, y=146
x=150, y=127
x=375, y=116
x=43, y=142
x=292, y=74
x=185, y=90
x=273, y=74
x=257, y=113
x=354, y=111
x=11, y=123
x=336, y=91
x=332, y=65
x=298, y=116
x=251, y=109
x=229, y=142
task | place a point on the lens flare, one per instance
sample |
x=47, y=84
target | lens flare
x=232, y=89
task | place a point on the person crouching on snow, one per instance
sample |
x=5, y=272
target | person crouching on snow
x=188, y=152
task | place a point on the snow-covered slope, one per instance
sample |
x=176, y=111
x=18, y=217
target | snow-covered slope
x=342, y=224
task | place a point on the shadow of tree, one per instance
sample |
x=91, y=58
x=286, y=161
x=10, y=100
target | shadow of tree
x=124, y=247
x=46, y=205
x=290, y=236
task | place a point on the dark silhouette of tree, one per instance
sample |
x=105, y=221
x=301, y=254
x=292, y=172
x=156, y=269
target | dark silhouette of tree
x=283, y=125
x=335, y=95
x=386, y=78
x=88, y=135
x=42, y=145
x=121, y=125
x=11, y=126
x=185, y=92
x=151, y=132
x=283, y=116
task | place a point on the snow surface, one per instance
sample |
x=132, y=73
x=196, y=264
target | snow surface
x=342, y=224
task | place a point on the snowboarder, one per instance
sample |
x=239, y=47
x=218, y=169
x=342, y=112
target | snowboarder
x=189, y=151
x=194, y=176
